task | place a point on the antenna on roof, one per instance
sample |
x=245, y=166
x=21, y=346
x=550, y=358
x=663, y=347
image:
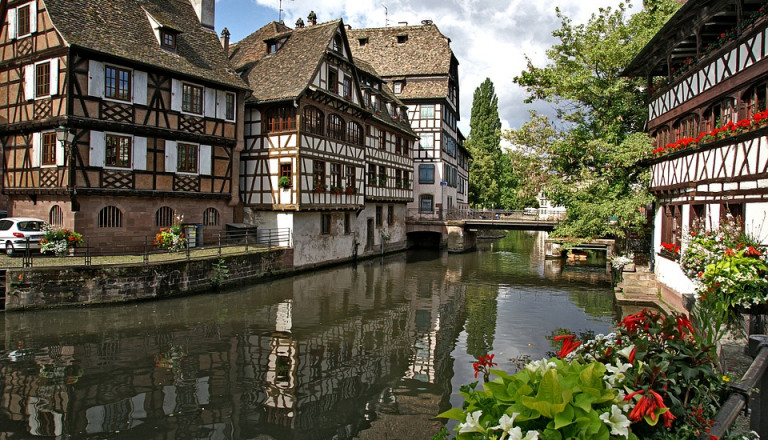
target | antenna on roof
x=280, y=12
x=386, y=15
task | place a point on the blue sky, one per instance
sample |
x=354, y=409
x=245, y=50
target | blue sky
x=490, y=38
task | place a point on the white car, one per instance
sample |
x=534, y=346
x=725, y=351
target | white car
x=17, y=232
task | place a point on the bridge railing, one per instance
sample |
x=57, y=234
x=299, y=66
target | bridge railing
x=526, y=215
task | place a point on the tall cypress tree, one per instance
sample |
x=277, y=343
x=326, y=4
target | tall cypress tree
x=484, y=144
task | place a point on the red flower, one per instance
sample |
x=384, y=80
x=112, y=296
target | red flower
x=752, y=252
x=569, y=344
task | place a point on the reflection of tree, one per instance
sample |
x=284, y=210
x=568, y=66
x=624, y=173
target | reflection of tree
x=481, y=319
x=595, y=303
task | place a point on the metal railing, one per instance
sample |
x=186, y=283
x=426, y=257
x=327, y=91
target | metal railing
x=749, y=392
x=144, y=251
x=526, y=215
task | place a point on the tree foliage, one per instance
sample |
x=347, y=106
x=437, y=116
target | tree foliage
x=486, y=166
x=591, y=162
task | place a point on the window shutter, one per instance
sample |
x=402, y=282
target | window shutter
x=60, y=153
x=221, y=104
x=96, y=78
x=176, y=95
x=54, y=76
x=98, y=149
x=33, y=17
x=170, y=156
x=206, y=161
x=209, y=103
x=12, y=24
x=29, y=81
x=36, y=141
x=139, y=153
x=139, y=87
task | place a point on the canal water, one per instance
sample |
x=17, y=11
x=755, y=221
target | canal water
x=371, y=351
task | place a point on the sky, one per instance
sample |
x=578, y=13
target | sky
x=490, y=38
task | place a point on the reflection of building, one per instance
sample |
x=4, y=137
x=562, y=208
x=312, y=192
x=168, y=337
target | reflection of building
x=710, y=65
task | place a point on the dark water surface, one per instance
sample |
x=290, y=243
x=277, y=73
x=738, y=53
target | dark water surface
x=371, y=351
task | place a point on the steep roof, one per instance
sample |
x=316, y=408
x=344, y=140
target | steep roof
x=251, y=48
x=122, y=29
x=426, y=50
x=287, y=72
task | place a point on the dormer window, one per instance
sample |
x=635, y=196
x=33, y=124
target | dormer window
x=168, y=39
x=275, y=45
x=362, y=41
x=337, y=43
x=398, y=87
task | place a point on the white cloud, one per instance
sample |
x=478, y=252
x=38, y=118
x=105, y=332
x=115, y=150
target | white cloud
x=490, y=38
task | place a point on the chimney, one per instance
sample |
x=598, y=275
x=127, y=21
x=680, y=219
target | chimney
x=225, y=40
x=205, y=10
x=312, y=18
x=299, y=23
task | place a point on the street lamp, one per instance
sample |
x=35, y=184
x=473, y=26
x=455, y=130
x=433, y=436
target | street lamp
x=66, y=137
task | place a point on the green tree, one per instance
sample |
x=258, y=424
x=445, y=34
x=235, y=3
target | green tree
x=592, y=162
x=484, y=145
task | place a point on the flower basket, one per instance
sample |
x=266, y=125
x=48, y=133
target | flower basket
x=320, y=188
x=59, y=241
x=337, y=190
x=350, y=190
x=284, y=182
x=171, y=239
x=670, y=255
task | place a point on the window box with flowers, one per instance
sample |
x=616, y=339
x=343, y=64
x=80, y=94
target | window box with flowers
x=320, y=188
x=382, y=180
x=337, y=190
x=59, y=241
x=670, y=251
x=398, y=183
x=171, y=239
x=350, y=190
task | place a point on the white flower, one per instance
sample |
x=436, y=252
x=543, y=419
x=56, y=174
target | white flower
x=472, y=424
x=617, y=421
x=505, y=422
x=617, y=375
x=517, y=434
x=541, y=366
x=626, y=351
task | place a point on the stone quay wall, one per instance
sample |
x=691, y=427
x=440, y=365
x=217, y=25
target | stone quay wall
x=48, y=287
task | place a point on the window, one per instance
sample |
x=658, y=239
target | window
x=325, y=224
x=371, y=174
x=350, y=177
x=164, y=217
x=333, y=80
x=56, y=216
x=390, y=214
x=336, y=127
x=398, y=87
x=382, y=175
x=49, y=149
x=117, y=83
x=427, y=141
x=347, y=224
x=281, y=119
x=192, y=99
x=211, y=217
x=406, y=179
x=688, y=127
x=110, y=217
x=735, y=210
x=347, y=87
x=426, y=174
x=720, y=114
x=337, y=45
x=671, y=224
x=427, y=111
x=312, y=122
x=378, y=217
x=168, y=39
x=355, y=133
x=23, y=20
x=402, y=38
x=398, y=145
x=118, y=151
x=285, y=170
x=186, y=159
x=698, y=217
x=42, y=79
x=362, y=41
x=426, y=203
x=336, y=175
x=318, y=168
x=383, y=139
x=229, y=108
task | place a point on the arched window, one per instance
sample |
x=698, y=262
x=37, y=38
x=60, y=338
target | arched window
x=755, y=99
x=355, y=133
x=164, y=217
x=280, y=119
x=720, y=114
x=660, y=137
x=687, y=127
x=56, y=216
x=110, y=217
x=211, y=217
x=336, y=129
x=312, y=122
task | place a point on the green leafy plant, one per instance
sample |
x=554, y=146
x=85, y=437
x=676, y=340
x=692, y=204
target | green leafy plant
x=59, y=240
x=220, y=273
x=284, y=182
x=173, y=238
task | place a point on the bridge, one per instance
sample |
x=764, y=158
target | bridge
x=457, y=229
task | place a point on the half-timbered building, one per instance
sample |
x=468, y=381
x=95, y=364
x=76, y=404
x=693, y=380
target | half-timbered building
x=327, y=145
x=118, y=116
x=707, y=72
x=418, y=64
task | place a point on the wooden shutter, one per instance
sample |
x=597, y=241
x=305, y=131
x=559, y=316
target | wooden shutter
x=221, y=104
x=12, y=24
x=98, y=149
x=95, y=78
x=176, y=95
x=36, y=144
x=139, y=87
x=139, y=153
x=206, y=161
x=59, y=153
x=209, y=102
x=170, y=156
x=54, y=77
x=29, y=81
x=33, y=17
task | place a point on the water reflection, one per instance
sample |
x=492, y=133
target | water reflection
x=367, y=352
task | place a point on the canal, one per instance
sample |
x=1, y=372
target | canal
x=371, y=351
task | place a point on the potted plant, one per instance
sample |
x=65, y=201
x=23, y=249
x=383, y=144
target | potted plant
x=337, y=190
x=350, y=190
x=319, y=187
x=670, y=251
x=383, y=180
x=284, y=182
x=59, y=240
x=173, y=238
